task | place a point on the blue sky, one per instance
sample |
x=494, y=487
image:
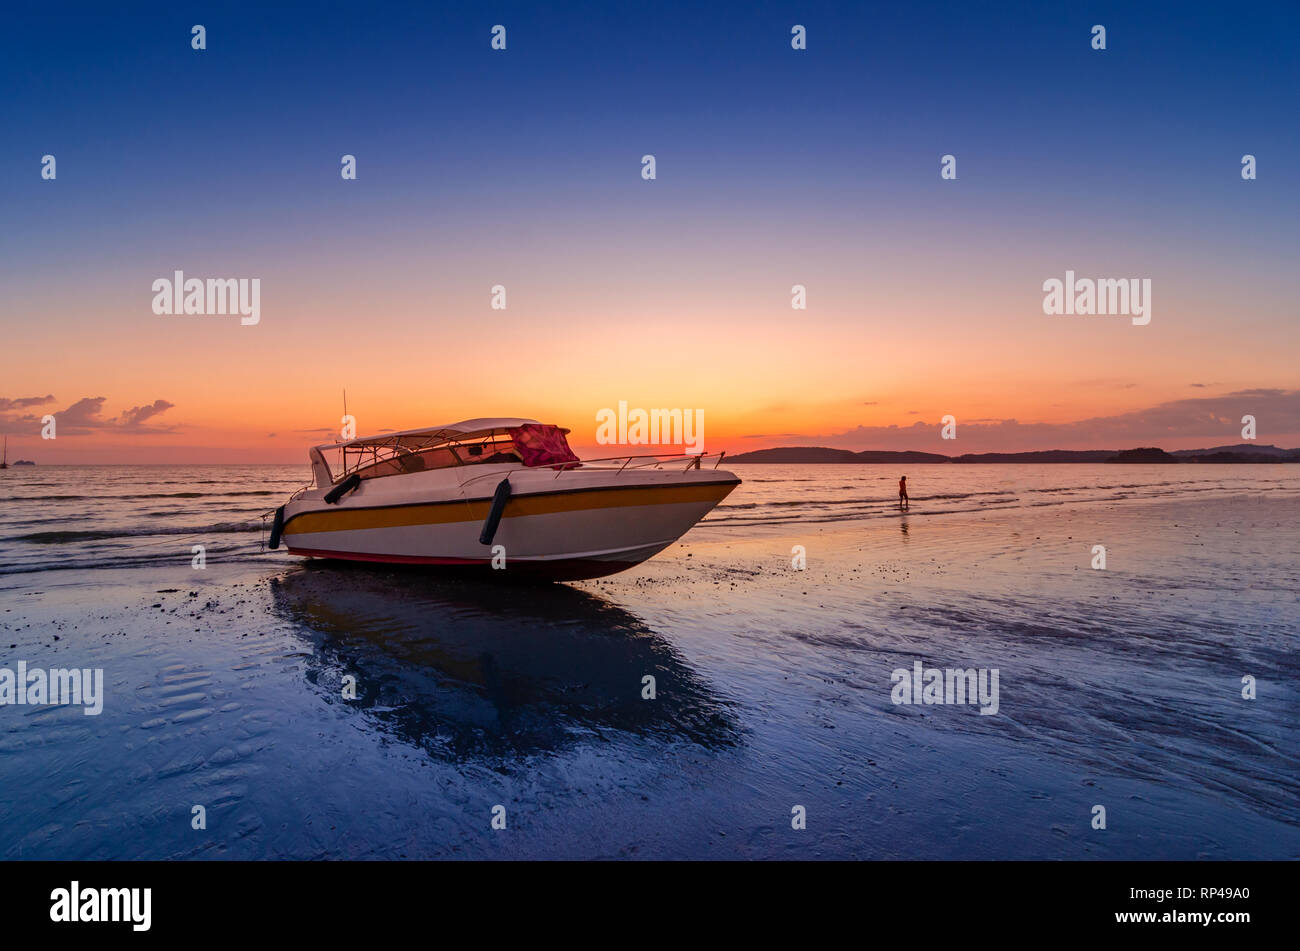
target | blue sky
x=820, y=165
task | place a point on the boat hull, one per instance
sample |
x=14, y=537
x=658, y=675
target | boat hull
x=586, y=526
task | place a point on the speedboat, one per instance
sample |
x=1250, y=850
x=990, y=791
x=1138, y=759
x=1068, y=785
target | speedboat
x=495, y=494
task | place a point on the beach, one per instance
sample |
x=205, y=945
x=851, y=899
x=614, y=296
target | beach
x=227, y=686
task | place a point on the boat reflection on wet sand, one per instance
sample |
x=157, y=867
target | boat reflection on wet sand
x=456, y=669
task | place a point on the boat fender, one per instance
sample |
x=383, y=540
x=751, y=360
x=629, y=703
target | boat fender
x=499, y=500
x=342, y=489
x=277, y=526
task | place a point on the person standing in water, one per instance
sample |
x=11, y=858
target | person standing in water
x=902, y=494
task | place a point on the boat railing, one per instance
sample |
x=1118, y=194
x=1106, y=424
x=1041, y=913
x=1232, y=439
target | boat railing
x=654, y=461
x=627, y=463
x=690, y=460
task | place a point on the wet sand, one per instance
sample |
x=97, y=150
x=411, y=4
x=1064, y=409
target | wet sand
x=1119, y=687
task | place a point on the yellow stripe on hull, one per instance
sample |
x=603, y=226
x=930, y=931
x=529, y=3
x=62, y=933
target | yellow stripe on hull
x=442, y=513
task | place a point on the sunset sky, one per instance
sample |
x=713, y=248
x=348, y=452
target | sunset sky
x=775, y=167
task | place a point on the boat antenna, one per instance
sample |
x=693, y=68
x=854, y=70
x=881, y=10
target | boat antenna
x=345, y=414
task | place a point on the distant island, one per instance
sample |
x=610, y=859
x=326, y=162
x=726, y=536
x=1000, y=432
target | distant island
x=24, y=462
x=806, y=455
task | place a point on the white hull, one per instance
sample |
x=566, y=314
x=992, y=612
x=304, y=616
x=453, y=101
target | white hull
x=576, y=523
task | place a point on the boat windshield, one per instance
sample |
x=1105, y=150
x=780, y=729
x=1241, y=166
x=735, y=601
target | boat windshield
x=529, y=445
x=377, y=462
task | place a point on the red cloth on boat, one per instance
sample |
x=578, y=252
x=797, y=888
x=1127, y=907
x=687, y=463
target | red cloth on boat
x=541, y=445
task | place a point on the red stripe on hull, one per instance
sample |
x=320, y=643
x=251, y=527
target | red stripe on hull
x=387, y=559
x=570, y=569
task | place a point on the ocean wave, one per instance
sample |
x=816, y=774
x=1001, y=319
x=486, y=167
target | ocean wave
x=62, y=538
x=146, y=495
x=861, y=500
x=244, y=554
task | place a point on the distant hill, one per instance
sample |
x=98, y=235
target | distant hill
x=1047, y=455
x=1147, y=455
x=816, y=455
x=797, y=455
x=901, y=457
x=1256, y=458
x=1274, y=453
x=812, y=455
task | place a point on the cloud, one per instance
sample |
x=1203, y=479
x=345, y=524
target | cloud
x=82, y=418
x=133, y=420
x=23, y=402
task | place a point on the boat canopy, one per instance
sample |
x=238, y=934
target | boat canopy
x=413, y=439
x=469, y=442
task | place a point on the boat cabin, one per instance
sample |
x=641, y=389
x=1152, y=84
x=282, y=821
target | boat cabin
x=471, y=442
